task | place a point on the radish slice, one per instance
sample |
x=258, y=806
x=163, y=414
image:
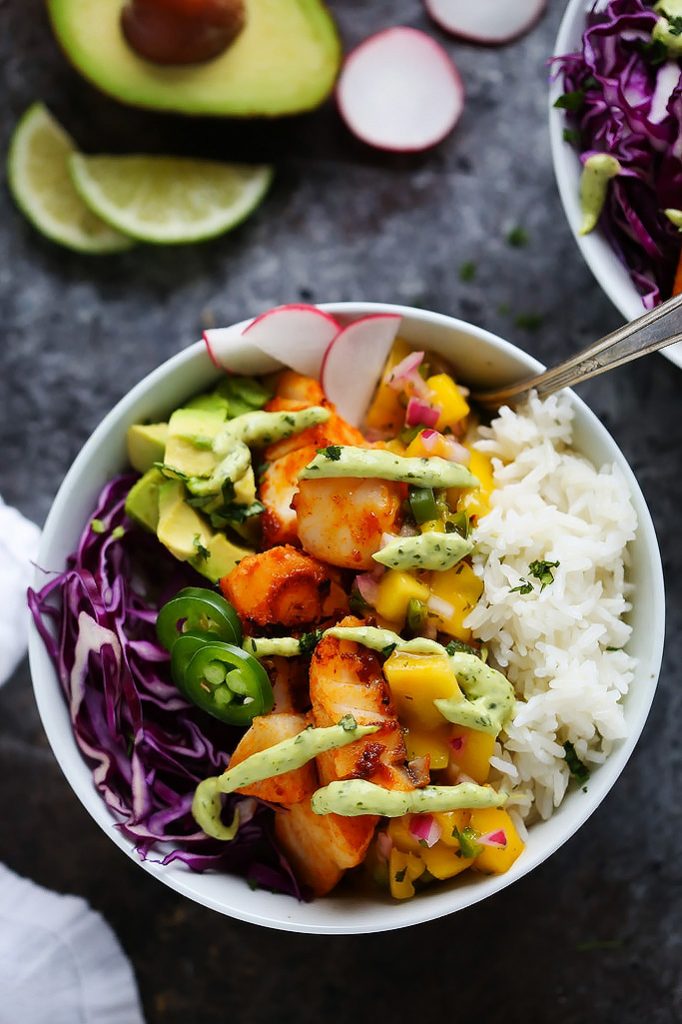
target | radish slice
x=486, y=21
x=296, y=335
x=354, y=362
x=400, y=91
x=228, y=349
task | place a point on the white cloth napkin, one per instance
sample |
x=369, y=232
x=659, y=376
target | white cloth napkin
x=60, y=962
x=18, y=548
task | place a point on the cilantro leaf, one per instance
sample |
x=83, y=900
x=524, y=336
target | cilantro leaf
x=543, y=571
x=524, y=587
x=307, y=642
x=578, y=770
x=332, y=452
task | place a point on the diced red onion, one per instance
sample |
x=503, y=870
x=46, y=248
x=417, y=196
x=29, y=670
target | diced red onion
x=404, y=369
x=425, y=828
x=456, y=452
x=419, y=411
x=497, y=839
x=457, y=743
x=368, y=587
x=429, y=439
x=440, y=607
x=384, y=845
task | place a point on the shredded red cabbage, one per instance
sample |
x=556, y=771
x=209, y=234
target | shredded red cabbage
x=148, y=748
x=631, y=108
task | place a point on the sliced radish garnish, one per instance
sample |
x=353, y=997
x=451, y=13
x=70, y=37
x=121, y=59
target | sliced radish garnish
x=400, y=91
x=354, y=362
x=486, y=21
x=228, y=349
x=295, y=335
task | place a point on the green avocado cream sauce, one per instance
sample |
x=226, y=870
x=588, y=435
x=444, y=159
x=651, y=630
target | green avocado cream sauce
x=276, y=760
x=379, y=464
x=354, y=797
x=431, y=550
x=489, y=697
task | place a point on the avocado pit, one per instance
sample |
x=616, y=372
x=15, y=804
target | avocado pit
x=182, y=31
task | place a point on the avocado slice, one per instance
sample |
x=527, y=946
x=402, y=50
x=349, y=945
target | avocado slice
x=142, y=503
x=190, y=437
x=180, y=528
x=146, y=444
x=221, y=559
x=284, y=61
x=210, y=401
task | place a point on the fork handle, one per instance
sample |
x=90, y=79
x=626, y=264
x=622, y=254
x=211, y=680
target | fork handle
x=655, y=329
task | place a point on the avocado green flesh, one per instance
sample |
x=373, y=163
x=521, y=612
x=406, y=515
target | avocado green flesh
x=284, y=61
x=142, y=503
x=191, y=433
x=146, y=444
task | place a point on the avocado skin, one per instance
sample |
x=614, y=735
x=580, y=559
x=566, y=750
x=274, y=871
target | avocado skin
x=146, y=444
x=295, y=41
x=142, y=503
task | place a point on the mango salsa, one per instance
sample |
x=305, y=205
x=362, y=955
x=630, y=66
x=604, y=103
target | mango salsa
x=396, y=590
x=433, y=743
x=495, y=860
x=418, y=450
x=470, y=752
x=387, y=413
x=443, y=861
x=416, y=680
x=476, y=502
x=403, y=868
x=449, y=398
x=460, y=588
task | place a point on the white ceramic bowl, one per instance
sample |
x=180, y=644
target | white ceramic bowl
x=481, y=359
x=598, y=254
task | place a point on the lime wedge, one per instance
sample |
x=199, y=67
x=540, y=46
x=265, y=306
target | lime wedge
x=168, y=200
x=39, y=179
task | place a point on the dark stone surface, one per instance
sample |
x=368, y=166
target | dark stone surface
x=594, y=934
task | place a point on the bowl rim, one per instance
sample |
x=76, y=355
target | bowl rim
x=607, y=269
x=410, y=912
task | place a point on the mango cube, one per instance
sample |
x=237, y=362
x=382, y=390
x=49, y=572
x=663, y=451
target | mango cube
x=431, y=743
x=475, y=502
x=396, y=590
x=460, y=588
x=470, y=752
x=495, y=860
x=416, y=680
x=453, y=405
x=443, y=861
x=418, y=450
x=400, y=835
x=403, y=868
x=452, y=822
x=386, y=411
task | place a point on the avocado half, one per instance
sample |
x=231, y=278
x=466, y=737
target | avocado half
x=284, y=61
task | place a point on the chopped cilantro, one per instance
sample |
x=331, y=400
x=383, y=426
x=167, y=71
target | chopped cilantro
x=457, y=646
x=524, y=587
x=674, y=24
x=97, y=526
x=400, y=875
x=543, y=571
x=348, y=723
x=572, y=135
x=309, y=641
x=528, y=321
x=202, y=552
x=388, y=650
x=578, y=770
x=517, y=237
x=332, y=452
x=571, y=100
x=467, y=271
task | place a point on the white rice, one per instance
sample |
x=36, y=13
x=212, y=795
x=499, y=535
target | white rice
x=560, y=646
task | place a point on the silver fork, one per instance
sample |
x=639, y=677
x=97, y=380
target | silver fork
x=656, y=329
